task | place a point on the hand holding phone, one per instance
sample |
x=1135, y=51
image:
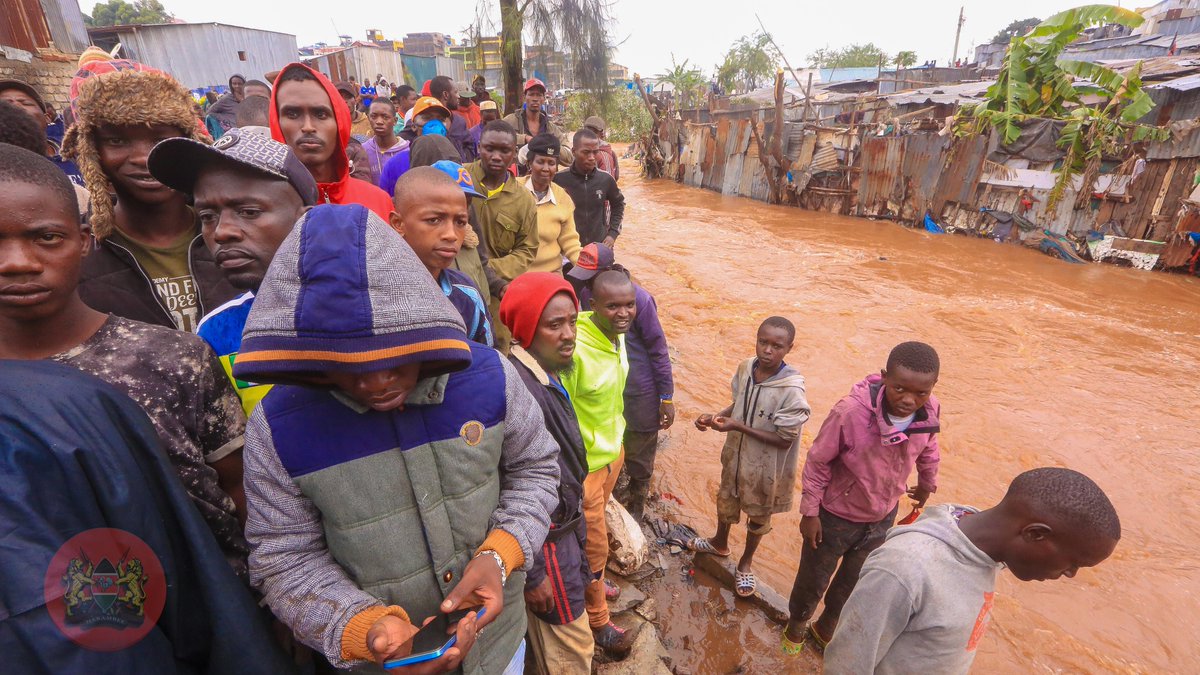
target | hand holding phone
x=435, y=648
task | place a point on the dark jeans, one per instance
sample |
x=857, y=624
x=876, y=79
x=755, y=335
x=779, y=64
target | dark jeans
x=640, y=449
x=840, y=539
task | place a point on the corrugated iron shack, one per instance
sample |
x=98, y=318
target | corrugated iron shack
x=201, y=55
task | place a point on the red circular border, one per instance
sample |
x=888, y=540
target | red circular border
x=111, y=544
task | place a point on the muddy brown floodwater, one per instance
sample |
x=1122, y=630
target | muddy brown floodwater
x=1044, y=363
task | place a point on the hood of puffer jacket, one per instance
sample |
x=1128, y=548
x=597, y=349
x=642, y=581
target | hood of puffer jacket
x=345, y=293
x=341, y=114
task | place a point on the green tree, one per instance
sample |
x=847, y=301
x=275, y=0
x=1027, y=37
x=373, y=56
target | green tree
x=853, y=56
x=623, y=111
x=1036, y=82
x=576, y=28
x=689, y=83
x=750, y=61
x=1015, y=29
x=905, y=59
x=121, y=13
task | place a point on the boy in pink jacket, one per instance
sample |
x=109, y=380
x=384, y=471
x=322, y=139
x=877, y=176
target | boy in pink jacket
x=856, y=470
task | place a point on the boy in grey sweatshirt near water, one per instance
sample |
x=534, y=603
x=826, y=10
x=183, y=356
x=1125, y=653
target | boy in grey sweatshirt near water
x=758, y=462
x=924, y=599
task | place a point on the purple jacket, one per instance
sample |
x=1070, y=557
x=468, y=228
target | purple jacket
x=859, y=463
x=650, y=378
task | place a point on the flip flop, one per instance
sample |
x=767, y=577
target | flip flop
x=702, y=545
x=810, y=635
x=790, y=648
x=744, y=584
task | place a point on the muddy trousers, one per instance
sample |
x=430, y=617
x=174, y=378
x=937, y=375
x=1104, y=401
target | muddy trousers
x=597, y=487
x=843, y=540
x=640, y=450
x=560, y=649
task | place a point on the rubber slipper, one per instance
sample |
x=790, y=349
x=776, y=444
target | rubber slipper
x=790, y=648
x=702, y=545
x=744, y=584
x=810, y=635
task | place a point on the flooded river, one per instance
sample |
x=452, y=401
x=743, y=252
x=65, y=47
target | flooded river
x=1044, y=363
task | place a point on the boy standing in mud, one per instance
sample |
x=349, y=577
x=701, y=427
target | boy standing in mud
x=855, y=472
x=758, y=462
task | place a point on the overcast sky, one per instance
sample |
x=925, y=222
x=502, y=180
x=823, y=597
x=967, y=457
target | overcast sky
x=649, y=31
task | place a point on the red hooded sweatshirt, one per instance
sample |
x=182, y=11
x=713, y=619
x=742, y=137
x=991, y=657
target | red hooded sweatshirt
x=345, y=190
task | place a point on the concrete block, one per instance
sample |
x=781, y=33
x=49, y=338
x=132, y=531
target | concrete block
x=774, y=605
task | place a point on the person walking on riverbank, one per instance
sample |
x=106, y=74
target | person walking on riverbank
x=924, y=600
x=758, y=461
x=540, y=310
x=596, y=385
x=854, y=474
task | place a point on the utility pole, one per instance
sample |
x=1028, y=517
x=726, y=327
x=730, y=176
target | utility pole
x=957, y=35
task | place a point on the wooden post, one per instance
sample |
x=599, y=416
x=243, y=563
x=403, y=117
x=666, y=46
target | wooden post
x=808, y=97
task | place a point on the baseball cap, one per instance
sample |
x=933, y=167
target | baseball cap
x=346, y=88
x=534, y=82
x=176, y=162
x=593, y=259
x=464, y=90
x=425, y=103
x=460, y=175
x=488, y=105
x=596, y=122
x=25, y=88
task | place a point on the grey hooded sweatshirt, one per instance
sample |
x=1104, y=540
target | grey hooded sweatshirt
x=922, y=604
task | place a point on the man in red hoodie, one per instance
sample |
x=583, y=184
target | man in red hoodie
x=307, y=114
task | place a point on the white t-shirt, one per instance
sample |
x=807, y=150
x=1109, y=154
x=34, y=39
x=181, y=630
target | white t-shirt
x=902, y=423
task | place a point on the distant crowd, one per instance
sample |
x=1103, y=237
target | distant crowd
x=318, y=375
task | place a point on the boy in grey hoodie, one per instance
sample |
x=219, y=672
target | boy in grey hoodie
x=758, y=462
x=924, y=599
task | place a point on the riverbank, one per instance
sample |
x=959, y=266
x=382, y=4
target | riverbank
x=1045, y=363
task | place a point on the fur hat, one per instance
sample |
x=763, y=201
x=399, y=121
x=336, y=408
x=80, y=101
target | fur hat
x=123, y=97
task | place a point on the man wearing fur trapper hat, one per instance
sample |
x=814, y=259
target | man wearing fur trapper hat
x=150, y=263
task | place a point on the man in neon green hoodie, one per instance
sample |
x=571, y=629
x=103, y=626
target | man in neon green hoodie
x=596, y=385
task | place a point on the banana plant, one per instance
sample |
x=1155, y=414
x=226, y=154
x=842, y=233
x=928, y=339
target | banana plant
x=1036, y=82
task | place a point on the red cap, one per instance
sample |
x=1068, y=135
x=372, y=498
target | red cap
x=425, y=88
x=534, y=82
x=526, y=298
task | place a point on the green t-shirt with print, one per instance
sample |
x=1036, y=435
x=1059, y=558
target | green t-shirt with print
x=169, y=273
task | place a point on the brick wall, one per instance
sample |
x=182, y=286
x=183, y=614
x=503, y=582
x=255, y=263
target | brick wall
x=50, y=74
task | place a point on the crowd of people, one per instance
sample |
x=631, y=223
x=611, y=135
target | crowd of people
x=345, y=358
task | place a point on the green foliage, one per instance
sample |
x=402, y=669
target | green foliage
x=121, y=13
x=689, y=83
x=905, y=59
x=623, y=111
x=748, y=64
x=1014, y=29
x=853, y=56
x=578, y=29
x=1035, y=82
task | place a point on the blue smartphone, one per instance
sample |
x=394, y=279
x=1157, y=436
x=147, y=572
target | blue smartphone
x=431, y=642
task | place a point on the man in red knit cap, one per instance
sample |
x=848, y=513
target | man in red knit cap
x=540, y=310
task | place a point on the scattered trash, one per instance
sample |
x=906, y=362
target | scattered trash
x=668, y=496
x=675, y=550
